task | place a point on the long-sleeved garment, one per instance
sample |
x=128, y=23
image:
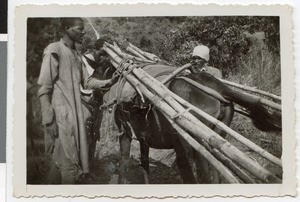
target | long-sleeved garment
x=62, y=73
x=213, y=71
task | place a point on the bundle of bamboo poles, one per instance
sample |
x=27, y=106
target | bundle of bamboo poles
x=149, y=56
x=251, y=89
x=198, y=135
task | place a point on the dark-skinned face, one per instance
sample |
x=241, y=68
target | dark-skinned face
x=76, y=32
x=197, y=63
x=99, y=55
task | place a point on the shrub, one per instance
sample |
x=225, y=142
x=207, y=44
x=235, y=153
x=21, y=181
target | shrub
x=259, y=68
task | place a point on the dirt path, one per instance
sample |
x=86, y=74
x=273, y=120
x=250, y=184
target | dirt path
x=163, y=170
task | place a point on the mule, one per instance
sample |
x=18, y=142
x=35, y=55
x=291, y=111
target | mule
x=153, y=130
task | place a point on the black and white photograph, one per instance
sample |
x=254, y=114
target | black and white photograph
x=154, y=100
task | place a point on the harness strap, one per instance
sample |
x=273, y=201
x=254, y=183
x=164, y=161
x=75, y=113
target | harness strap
x=130, y=69
x=106, y=72
x=121, y=66
x=106, y=105
x=88, y=106
x=121, y=82
x=156, y=119
x=93, y=122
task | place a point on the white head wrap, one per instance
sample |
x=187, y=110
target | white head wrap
x=201, y=51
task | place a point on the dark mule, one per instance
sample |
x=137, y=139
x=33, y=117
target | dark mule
x=153, y=130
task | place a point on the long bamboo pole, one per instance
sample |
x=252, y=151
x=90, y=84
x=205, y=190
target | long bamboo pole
x=149, y=56
x=233, y=167
x=202, y=150
x=220, y=97
x=251, y=89
x=94, y=29
x=223, y=127
x=227, y=162
x=137, y=54
x=205, y=89
x=176, y=72
x=125, y=55
x=197, y=128
x=267, y=102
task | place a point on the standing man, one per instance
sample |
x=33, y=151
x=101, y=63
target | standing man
x=61, y=76
x=200, y=58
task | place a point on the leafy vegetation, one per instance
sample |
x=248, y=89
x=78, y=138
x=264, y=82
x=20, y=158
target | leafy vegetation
x=171, y=38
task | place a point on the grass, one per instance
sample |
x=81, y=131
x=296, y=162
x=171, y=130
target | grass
x=37, y=163
x=259, y=68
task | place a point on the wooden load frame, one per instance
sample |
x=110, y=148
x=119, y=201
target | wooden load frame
x=226, y=158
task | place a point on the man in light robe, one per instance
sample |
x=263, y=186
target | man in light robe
x=61, y=76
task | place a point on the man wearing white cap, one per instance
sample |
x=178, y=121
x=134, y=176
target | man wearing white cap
x=200, y=58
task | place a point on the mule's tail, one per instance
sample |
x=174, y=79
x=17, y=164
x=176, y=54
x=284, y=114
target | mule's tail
x=262, y=118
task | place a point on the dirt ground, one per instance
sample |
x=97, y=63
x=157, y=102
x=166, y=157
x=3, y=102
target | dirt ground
x=104, y=171
x=163, y=169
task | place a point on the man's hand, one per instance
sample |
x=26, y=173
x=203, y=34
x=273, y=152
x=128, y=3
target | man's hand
x=52, y=128
x=115, y=77
x=48, y=116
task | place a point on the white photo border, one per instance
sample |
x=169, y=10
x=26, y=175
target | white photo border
x=21, y=189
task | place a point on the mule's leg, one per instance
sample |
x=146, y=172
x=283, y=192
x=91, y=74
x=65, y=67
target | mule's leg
x=182, y=161
x=226, y=117
x=145, y=160
x=207, y=174
x=125, y=142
